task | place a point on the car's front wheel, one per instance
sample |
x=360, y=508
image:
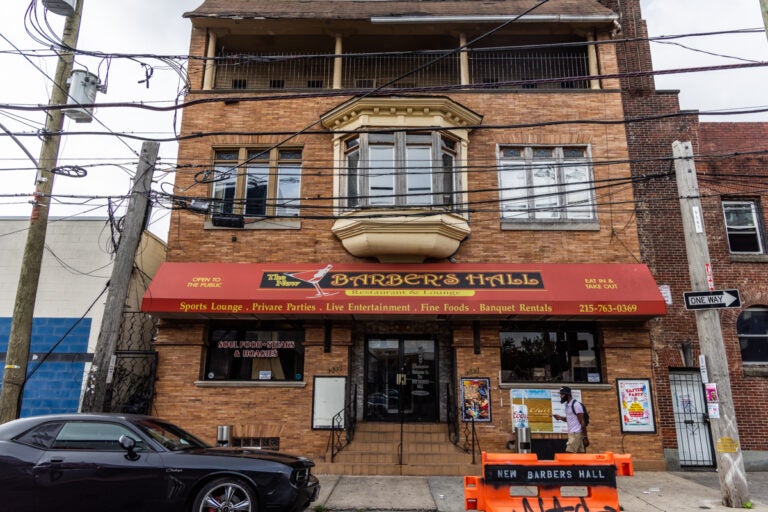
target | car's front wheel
x=225, y=494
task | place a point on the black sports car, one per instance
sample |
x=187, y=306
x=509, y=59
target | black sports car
x=115, y=462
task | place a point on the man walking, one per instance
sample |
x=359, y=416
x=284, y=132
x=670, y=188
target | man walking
x=577, y=427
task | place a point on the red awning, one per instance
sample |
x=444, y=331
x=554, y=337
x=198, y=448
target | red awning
x=531, y=290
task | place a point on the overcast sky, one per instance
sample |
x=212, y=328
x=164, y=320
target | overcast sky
x=157, y=27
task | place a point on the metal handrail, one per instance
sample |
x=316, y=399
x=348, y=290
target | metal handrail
x=475, y=441
x=518, y=68
x=452, y=419
x=343, y=426
x=471, y=440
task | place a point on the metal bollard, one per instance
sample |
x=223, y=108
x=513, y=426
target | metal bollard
x=523, y=439
x=223, y=435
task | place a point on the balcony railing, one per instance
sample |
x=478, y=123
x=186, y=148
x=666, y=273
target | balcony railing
x=492, y=68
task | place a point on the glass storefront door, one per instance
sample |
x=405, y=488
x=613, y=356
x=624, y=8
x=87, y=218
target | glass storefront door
x=401, y=379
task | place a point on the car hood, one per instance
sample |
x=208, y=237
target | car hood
x=255, y=453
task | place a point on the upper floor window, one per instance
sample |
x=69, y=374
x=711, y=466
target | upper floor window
x=546, y=184
x=257, y=182
x=543, y=353
x=752, y=329
x=400, y=169
x=742, y=223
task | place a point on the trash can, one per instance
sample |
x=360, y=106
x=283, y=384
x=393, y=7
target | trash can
x=523, y=439
x=223, y=435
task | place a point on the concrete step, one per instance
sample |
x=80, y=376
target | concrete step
x=427, y=451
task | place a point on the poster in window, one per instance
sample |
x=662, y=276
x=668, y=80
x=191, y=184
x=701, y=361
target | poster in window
x=475, y=399
x=636, y=406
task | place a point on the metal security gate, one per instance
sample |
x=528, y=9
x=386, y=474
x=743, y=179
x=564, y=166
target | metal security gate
x=694, y=438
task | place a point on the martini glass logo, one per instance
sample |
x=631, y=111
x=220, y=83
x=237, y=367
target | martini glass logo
x=313, y=277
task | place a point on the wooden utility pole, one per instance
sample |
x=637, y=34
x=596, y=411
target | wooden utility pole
x=100, y=378
x=730, y=462
x=19, y=341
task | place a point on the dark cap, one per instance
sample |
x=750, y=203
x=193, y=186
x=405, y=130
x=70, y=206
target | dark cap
x=565, y=390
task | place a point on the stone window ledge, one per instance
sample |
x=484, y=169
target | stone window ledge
x=249, y=384
x=749, y=258
x=756, y=370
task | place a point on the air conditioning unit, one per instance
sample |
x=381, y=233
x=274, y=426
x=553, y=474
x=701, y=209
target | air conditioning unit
x=62, y=7
x=83, y=86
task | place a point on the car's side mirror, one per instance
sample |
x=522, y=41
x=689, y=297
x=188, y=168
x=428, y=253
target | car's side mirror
x=128, y=444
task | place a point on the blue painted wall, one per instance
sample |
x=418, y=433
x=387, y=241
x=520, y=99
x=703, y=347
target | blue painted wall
x=55, y=385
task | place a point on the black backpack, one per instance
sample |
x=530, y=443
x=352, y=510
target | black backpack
x=586, y=413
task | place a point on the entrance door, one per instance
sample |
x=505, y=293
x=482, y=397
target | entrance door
x=401, y=379
x=694, y=439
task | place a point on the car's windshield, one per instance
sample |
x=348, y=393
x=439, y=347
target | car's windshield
x=170, y=436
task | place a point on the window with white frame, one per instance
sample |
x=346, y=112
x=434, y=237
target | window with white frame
x=742, y=223
x=257, y=182
x=752, y=329
x=546, y=184
x=400, y=169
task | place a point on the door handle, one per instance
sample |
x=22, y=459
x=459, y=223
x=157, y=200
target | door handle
x=57, y=460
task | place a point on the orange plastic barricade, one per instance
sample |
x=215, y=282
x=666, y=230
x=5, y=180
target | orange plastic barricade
x=572, y=482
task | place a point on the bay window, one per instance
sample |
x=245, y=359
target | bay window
x=400, y=169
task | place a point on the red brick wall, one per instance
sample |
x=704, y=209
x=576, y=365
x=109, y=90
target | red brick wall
x=660, y=225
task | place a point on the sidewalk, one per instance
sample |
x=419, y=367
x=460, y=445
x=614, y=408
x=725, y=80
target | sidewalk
x=643, y=492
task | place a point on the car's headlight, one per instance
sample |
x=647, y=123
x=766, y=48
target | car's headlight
x=300, y=477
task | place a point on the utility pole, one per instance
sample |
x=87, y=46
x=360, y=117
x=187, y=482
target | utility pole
x=764, y=10
x=102, y=368
x=19, y=340
x=730, y=462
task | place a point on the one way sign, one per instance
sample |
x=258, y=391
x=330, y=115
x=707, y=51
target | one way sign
x=712, y=300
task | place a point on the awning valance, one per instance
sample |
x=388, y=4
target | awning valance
x=525, y=290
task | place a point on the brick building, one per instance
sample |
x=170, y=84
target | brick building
x=731, y=172
x=731, y=176
x=415, y=213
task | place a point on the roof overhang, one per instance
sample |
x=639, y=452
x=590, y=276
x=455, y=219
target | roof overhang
x=590, y=19
x=287, y=290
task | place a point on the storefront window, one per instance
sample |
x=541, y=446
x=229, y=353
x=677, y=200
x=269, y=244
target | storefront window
x=255, y=352
x=541, y=353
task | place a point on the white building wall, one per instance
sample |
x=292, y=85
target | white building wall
x=76, y=268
